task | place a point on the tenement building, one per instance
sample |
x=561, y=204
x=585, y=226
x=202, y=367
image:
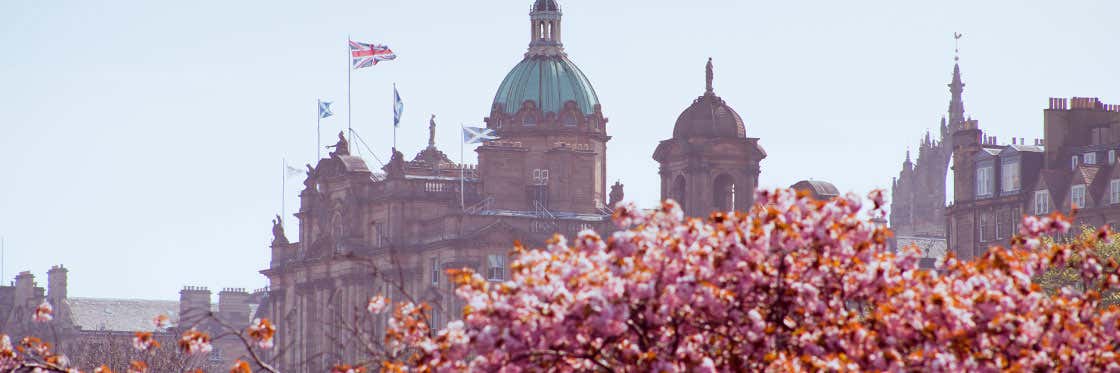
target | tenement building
x=397, y=230
x=917, y=214
x=1073, y=169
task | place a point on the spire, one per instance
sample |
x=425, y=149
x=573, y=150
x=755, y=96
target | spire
x=710, y=75
x=544, y=19
x=956, y=87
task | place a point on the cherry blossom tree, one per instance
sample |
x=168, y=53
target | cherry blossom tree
x=793, y=284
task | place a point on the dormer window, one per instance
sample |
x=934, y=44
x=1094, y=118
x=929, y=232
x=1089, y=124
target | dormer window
x=984, y=181
x=1042, y=202
x=1111, y=157
x=1091, y=158
x=1010, y=180
x=1077, y=196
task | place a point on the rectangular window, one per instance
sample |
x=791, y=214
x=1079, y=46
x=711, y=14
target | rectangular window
x=437, y=318
x=497, y=267
x=985, y=222
x=1003, y=224
x=379, y=234
x=1016, y=218
x=1077, y=196
x=435, y=271
x=1090, y=158
x=1111, y=157
x=1010, y=176
x=984, y=181
x=1042, y=202
x=1073, y=163
x=1114, y=191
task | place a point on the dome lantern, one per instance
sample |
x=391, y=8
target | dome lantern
x=546, y=76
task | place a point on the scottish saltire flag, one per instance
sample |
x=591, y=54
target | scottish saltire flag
x=475, y=135
x=398, y=107
x=366, y=55
x=325, y=109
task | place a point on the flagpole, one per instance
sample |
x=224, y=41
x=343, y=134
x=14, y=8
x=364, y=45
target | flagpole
x=318, y=130
x=349, y=109
x=283, y=188
x=462, y=170
x=394, y=118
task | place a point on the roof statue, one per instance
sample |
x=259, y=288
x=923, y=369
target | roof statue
x=278, y=236
x=617, y=194
x=432, y=132
x=342, y=147
x=309, y=182
x=395, y=167
x=710, y=76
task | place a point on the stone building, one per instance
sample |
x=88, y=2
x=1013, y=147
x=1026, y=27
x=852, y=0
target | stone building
x=397, y=230
x=91, y=328
x=709, y=164
x=917, y=214
x=1073, y=167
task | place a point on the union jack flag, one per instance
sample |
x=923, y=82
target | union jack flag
x=366, y=54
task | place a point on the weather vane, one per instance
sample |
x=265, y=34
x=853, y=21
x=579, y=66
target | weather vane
x=957, y=45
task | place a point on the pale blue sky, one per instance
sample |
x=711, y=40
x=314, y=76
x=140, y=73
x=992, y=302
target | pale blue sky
x=141, y=141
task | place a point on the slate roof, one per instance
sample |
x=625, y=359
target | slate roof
x=120, y=314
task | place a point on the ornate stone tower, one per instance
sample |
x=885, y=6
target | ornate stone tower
x=553, y=133
x=710, y=163
x=918, y=193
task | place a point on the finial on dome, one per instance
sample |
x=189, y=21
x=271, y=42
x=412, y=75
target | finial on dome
x=710, y=76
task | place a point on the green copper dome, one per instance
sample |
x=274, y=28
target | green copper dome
x=550, y=81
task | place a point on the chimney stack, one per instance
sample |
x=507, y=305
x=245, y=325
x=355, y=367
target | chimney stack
x=233, y=306
x=56, y=284
x=25, y=289
x=194, y=305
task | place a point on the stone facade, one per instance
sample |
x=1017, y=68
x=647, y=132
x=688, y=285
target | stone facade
x=1074, y=167
x=397, y=230
x=709, y=164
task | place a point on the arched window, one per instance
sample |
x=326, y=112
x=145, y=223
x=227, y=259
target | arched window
x=529, y=121
x=678, y=191
x=723, y=193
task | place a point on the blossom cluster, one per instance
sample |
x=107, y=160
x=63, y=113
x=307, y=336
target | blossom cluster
x=795, y=283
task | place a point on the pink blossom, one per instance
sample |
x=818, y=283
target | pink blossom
x=377, y=304
x=793, y=284
x=43, y=313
